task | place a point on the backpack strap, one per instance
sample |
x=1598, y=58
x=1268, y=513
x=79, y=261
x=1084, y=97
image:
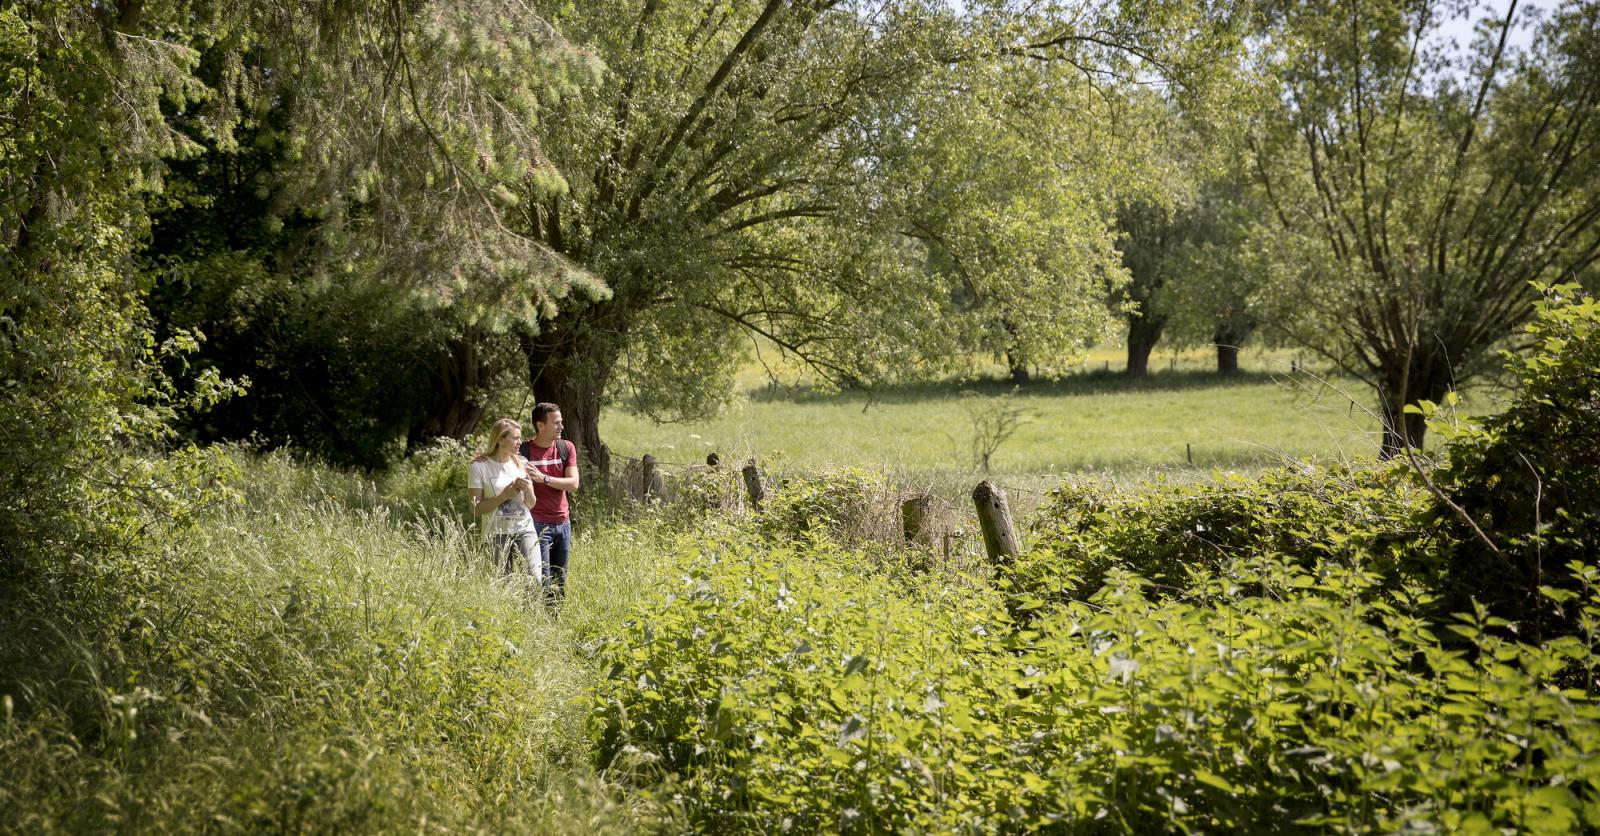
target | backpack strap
x=564, y=449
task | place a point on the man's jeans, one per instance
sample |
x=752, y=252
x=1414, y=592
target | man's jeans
x=555, y=543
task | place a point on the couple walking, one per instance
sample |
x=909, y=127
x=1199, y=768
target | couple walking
x=521, y=486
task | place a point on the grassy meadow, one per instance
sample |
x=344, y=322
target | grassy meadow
x=1178, y=425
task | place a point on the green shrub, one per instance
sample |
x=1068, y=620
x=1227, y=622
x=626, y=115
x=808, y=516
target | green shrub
x=1529, y=477
x=798, y=688
x=1307, y=513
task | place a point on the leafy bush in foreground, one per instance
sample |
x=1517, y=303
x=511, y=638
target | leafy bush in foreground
x=1529, y=478
x=797, y=686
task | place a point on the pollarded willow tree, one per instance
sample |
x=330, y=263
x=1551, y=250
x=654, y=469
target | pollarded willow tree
x=875, y=186
x=1013, y=184
x=1426, y=192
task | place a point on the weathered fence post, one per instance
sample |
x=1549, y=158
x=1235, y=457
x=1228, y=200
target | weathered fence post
x=914, y=514
x=649, y=475
x=752, y=484
x=994, y=520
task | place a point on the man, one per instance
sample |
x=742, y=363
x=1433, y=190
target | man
x=553, y=468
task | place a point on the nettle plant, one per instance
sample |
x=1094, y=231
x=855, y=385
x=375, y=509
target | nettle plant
x=801, y=685
x=795, y=684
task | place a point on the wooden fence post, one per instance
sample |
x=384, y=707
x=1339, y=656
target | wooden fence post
x=914, y=514
x=752, y=484
x=994, y=519
x=649, y=475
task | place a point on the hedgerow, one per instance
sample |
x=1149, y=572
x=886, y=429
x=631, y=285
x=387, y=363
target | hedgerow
x=1306, y=513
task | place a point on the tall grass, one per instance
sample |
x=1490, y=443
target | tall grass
x=321, y=656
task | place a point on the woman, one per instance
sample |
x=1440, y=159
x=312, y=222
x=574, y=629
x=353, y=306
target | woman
x=500, y=489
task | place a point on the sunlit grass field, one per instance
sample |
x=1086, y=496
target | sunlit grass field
x=1182, y=423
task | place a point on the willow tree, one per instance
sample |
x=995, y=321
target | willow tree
x=1015, y=185
x=763, y=167
x=1426, y=191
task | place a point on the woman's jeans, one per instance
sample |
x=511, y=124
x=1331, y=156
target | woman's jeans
x=555, y=543
x=508, y=546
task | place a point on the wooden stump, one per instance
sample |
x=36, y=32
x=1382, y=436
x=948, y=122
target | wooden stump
x=752, y=484
x=916, y=519
x=994, y=520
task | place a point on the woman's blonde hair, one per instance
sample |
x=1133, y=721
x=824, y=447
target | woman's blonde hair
x=498, y=431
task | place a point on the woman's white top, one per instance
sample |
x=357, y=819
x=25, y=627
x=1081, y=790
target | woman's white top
x=492, y=477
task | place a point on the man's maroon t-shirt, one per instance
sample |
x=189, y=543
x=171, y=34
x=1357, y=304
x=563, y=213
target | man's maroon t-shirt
x=550, y=505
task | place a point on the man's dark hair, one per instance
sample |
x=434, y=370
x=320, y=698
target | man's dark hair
x=541, y=411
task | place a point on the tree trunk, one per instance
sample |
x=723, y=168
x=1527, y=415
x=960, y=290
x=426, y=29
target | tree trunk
x=1428, y=380
x=1143, y=334
x=1229, y=334
x=1400, y=432
x=1016, y=356
x=569, y=367
x=1227, y=359
x=1018, y=368
x=452, y=413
